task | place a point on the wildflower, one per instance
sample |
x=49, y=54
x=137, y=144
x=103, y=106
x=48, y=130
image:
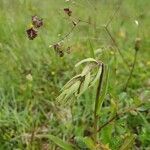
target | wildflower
x=33, y=30
x=58, y=49
x=136, y=22
x=29, y=77
x=68, y=11
x=37, y=22
x=32, y=33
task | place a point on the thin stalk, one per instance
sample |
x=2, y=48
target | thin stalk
x=118, y=115
x=115, y=44
x=67, y=34
x=98, y=93
x=132, y=69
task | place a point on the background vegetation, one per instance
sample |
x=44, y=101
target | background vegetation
x=32, y=73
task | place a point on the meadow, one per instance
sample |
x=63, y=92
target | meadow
x=111, y=112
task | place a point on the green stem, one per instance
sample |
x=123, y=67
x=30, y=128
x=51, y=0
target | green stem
x=96, y=102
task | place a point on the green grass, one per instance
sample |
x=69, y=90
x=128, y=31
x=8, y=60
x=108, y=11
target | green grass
x=27, y=107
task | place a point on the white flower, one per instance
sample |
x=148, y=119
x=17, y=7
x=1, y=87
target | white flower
x=29, y=77
x=136, y=22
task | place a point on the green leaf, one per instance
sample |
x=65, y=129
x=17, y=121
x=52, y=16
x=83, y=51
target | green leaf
x=89, y=143
x=128, y=143
x=85, y=143
x=71, y=81
x=69, y=92
x=85, y=60
x=64, y=145
x=97, y=76
x=85, y=70
x=85, y=83
x=73, y=89
x=61, y=96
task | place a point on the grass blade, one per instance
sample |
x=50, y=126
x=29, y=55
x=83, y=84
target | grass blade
x=64, y=145
x=128, y=143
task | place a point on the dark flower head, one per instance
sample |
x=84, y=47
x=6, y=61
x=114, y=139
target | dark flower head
x=68, y=11
x=58, y=49
x=61, y=53
x=32, y=33
x=37, y=22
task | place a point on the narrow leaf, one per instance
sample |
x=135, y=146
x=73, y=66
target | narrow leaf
x=64, y=145
x=89, y=143
x=96, y=77
x=71, y=81
x=86, y=60
x=85, y=70
x=73, y=89
x=128, y=143
x=85, y=83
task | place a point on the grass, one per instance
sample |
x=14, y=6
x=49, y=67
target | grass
x=32, y=75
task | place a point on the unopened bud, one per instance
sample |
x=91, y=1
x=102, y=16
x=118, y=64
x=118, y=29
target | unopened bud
x=137, y=44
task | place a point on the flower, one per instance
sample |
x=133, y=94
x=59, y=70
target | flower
x=68, y=11
x=32, y=33
x=58, y=49
x=29, y=77
x=37, y=22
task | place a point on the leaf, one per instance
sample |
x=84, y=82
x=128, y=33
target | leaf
x=104, y=91
x=128, y=143
x=70, y=82
x=96, y=77
x=85, y=70
x=69, y=92
x=145, y=121
x=89, y=143
x=64, y=145
x=85, y=83
x=107, y=133
x=61, y=96
x=85, y=60
x=73, y=89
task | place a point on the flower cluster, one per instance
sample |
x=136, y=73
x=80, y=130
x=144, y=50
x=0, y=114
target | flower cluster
x=60, y=50
x=32, y=32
